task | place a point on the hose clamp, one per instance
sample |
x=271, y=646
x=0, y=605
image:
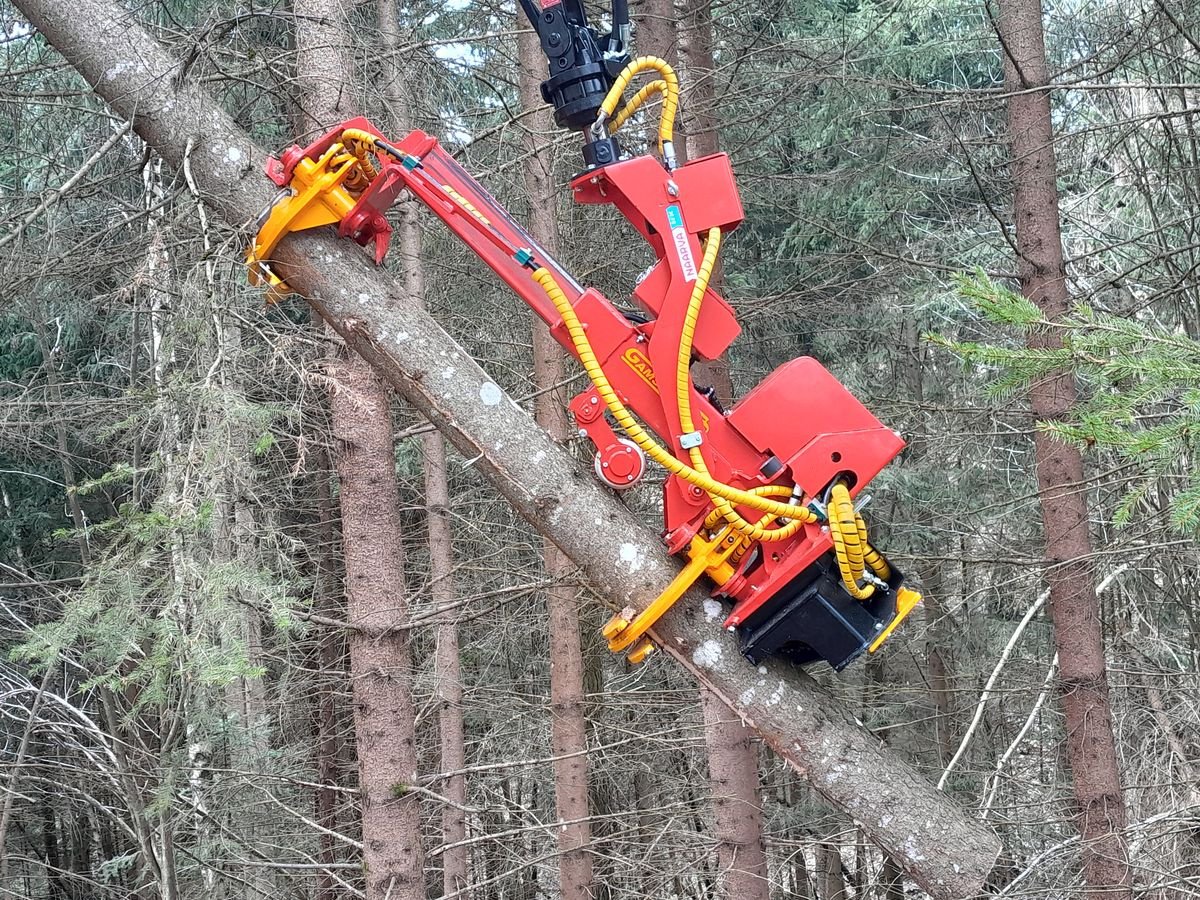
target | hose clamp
x=691, y=439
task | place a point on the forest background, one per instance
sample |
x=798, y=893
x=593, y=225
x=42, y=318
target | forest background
x=178, y=699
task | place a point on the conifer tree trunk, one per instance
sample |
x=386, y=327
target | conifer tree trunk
x=732, y=756
x=831, y=880
x=447, y=665
x=568, y=722
x=380, y=663
x=1075, y=609
x=328, y=675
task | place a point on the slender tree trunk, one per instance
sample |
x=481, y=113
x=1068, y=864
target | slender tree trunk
x=733, y=774
x=732, y=758
x=1091, y=748
x=831, y=880
x=891, y=880
x=945, y=851
x=568, y=723
x=380, y=667
x=447, y=665
x=329, y=678
x=380, y=663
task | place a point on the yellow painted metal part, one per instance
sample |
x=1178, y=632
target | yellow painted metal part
x=705, y=556
x=906, y=602
x=318, y=198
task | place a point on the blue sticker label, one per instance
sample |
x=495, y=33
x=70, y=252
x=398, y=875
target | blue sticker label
x=674, y=217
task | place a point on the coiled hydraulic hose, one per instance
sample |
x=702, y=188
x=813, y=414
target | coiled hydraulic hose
x=636, y=102
x=670, y=92
x=850, y=546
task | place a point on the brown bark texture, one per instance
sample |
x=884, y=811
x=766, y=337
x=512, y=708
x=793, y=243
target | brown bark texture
x=620, y=556
x=447, y=663
x=568, y=721
x=1074, y=606
x=380, y=662
x=737, y=807
x=732, y=757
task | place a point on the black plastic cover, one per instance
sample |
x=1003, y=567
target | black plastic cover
x=814, y=618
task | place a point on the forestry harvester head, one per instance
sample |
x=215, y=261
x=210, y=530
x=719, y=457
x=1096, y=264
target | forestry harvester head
x=763, y=499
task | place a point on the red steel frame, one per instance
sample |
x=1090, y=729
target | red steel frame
x=799, y=426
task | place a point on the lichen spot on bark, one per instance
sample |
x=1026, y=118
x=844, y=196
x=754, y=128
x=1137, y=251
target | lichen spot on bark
x=632, y=556
x=489, y=394
x=708, y=654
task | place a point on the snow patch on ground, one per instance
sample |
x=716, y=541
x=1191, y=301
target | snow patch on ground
x=708, y=654
x=490, y=394
x=712, y=610
x=234, y=155
x=448, y=373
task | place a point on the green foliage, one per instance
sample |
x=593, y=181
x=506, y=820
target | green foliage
x=1139, y=389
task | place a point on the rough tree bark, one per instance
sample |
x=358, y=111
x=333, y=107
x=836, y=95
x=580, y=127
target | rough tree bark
x=568, y=722
x=1074, y=606
x=732, y=756
x=447, y=664
x=360, y=409
x=942, y=849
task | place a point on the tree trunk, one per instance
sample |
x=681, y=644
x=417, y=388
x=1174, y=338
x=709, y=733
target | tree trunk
x=568, y=723
x=831, y=881
x=943, y=849
x=737, y=808
x=447, y=665
x=1074, y=607
x=380, y=668
x=329, y=670
x=380, y=665
x=732, y=758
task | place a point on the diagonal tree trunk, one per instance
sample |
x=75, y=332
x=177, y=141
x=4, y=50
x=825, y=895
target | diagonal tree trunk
x=568, y=723
x=380, y=663
x=944, y=851
x=1074, y=606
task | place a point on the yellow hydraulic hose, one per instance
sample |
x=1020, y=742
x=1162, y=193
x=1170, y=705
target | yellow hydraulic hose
x=854, y=553
x=666, y=119
x=757, y=531
x=635, y=103
x=636, y=433
x=847, y=529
